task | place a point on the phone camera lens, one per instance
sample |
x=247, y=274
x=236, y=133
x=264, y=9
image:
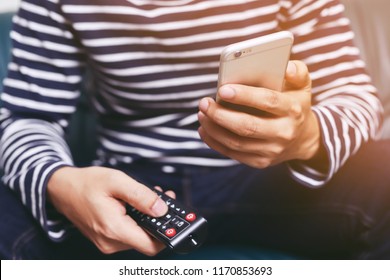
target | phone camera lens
x=237, y=54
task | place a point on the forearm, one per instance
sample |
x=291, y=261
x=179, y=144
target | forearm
x=40, y=94
x=31, y=150
x=344, y=129
x=344, y=100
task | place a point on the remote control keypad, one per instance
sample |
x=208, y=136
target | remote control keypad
x=171, y=224
x=181, y=229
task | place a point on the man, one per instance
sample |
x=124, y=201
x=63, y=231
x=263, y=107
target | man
x=155, y=65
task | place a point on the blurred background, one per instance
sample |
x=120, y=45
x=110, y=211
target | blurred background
x=8, y=5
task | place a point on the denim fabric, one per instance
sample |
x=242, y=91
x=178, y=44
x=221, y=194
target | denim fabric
x=252, y=213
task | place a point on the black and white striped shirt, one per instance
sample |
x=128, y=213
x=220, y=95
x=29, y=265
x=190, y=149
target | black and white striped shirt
x=152, y=61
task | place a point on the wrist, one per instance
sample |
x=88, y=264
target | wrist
x=312, y=143
x=60, y=185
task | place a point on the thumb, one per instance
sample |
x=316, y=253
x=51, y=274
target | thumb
x=297, y=76
x=142, y=198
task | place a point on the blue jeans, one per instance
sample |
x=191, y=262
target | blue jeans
x=264, y=211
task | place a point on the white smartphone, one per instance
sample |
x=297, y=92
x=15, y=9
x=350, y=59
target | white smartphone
x=258, y=62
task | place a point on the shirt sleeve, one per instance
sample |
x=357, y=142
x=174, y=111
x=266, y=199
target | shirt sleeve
x=344, y=99
x=40, y=93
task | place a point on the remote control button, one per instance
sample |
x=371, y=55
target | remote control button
x=179, y=223
x=164, y=227
x=190, y=217
x=171, y=232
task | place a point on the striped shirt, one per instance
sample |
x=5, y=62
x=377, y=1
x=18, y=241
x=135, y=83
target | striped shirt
x=152, y=61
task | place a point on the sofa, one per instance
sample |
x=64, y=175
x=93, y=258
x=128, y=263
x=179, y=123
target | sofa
x=372, y=27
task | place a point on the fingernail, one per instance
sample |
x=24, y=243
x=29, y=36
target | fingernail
x=204, y=105
x=159, y=208
x=291, y=68
x=226, y=92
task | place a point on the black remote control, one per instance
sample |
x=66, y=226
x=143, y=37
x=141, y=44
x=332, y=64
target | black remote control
x=181, y=229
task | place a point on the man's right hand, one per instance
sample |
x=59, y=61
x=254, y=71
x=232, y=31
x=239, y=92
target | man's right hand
x=94, y=198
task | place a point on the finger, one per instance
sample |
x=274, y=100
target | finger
x=297, y=76
x=110, y=246
x=117, y=231
x=239, y=123
x=213, y=143
x=263, y=99
x=263, y=148
x=124, y=229
x=139, y=196
x=227, y=138
x=250, y=159
x=134, y=237
x=169, y=193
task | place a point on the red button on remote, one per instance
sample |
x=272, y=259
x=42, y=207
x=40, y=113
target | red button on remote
x=171, y=232
x=190, y=217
